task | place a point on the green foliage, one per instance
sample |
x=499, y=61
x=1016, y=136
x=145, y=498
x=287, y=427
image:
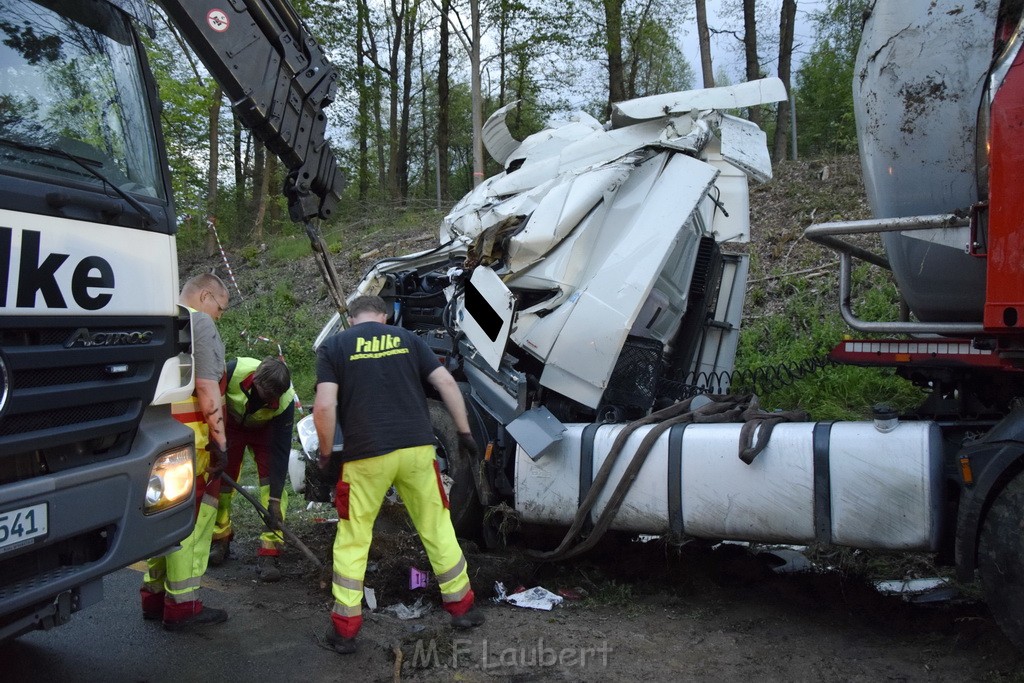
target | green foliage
x=184, y=117
x=824, y=104
x=805, y=328
x=283, y=319
x=611, y=593
x=249, y=252
x=654, y=62
x=289, y=249
x=824, y=83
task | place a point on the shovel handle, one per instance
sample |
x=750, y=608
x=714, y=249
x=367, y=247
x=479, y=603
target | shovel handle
x=268, y=521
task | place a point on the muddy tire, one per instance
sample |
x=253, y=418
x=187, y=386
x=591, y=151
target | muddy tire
x=1001, y=559
x=463, y=503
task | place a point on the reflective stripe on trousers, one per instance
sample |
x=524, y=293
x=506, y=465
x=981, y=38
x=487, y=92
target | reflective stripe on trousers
x=177, y=575
x=256, y=440
x=361, y=490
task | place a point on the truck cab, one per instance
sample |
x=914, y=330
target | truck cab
x=94, y=471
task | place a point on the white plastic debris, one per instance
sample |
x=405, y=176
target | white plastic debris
x=499, y=592
x=371, y=598
x=784, y=560
x=404, y=612
x=910, y=586
x=919, y=591
x=535, y=598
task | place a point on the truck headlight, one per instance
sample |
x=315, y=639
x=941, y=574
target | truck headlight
x=170, y=480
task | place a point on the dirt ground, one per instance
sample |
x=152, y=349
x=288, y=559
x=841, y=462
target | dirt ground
x=631, y=611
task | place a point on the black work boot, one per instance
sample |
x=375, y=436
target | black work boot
x=269, y=572
x=470, y=619
x=339, y=643
x=205, y=617
x=219, y=551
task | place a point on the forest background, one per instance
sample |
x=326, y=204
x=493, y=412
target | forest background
x=412, y=74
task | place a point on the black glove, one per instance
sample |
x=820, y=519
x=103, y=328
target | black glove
x=218, y=459
x=468, y=444
x=274, y=508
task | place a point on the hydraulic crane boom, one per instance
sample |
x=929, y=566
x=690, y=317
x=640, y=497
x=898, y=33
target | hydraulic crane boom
x=279, y=82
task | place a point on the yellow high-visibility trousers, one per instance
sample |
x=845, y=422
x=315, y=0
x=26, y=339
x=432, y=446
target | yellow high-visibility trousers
x=170, y=586
x=361, y=489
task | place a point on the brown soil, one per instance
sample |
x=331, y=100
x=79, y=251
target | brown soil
x=633, y=611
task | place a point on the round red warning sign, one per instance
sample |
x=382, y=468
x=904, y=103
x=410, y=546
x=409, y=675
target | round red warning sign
x=218, y=20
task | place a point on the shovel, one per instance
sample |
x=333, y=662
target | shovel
x=268, y=521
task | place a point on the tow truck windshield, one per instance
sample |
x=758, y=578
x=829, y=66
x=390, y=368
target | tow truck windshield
x=71, y=80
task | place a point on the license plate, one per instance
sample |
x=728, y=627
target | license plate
x=18, y=527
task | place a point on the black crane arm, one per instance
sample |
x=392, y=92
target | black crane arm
x=279, y=82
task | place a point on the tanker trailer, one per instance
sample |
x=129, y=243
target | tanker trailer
x=939, y=103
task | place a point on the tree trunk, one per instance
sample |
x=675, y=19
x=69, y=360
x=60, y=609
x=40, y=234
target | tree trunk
x=522, y=66
x=704, y=40
x=502, y=44
x=211, y=171
x=274, y=214
x=363, y=116
x=259, y=169
x=613, y=48
x=786, y=23
x=260, y=186
x=402, y=159
x=443, y=101
x=398, y=8
x=239, y=166
x=378, y=125
x=750, y=50
x=475, y=86
x=426, y=151
x=634, y=71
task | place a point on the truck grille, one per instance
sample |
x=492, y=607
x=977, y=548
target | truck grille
x=68, y=416
x=70, y=403
x=634, y=380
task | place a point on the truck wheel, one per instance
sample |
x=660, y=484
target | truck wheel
x=1001, y=559
x=456, y=473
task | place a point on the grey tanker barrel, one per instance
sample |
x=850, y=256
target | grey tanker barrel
x=279, y=82
x=918, y=85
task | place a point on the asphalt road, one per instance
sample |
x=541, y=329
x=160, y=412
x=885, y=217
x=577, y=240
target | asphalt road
x=111, y=642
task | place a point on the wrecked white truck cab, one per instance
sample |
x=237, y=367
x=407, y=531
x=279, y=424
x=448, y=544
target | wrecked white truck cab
x=587, y=290
x=592, y=238
x=587, y=283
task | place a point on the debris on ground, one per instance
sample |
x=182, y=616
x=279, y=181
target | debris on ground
x=918, y=591
x=535, y=598
x=405, y=612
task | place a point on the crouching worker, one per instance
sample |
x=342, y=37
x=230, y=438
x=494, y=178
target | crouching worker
x=261, y=407
x=370, y=377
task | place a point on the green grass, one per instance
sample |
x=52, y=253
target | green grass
x=289, y=248
x=287, y=322
x=805, y=329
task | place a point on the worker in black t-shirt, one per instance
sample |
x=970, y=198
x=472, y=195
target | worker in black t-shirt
x=371, y=377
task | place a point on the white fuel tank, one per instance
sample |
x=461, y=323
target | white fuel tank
x=844, y=483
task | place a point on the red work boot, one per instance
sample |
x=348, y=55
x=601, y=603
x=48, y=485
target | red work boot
x=152, y=605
